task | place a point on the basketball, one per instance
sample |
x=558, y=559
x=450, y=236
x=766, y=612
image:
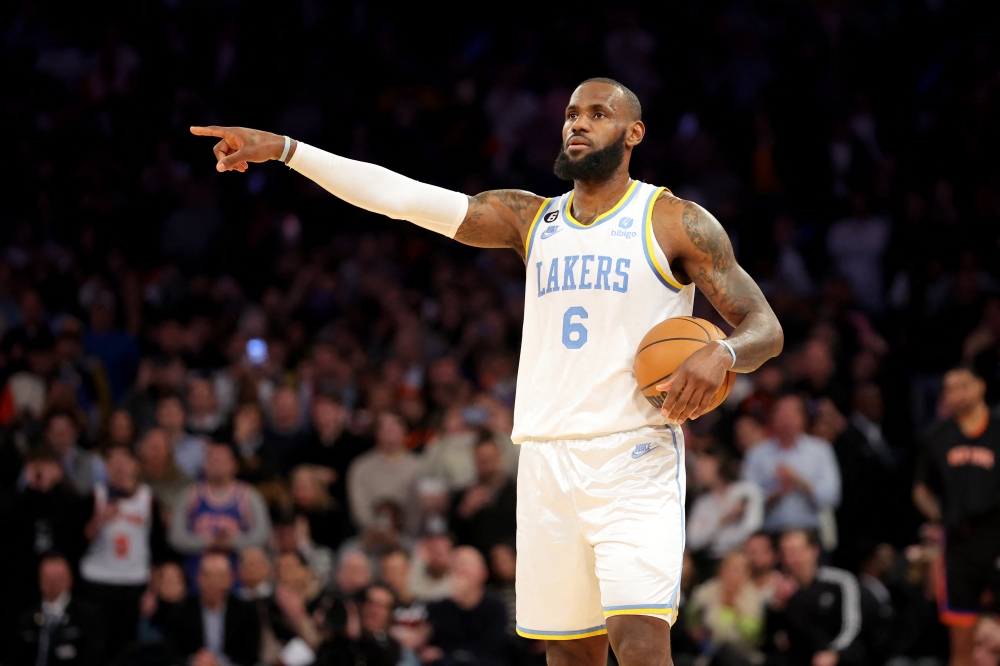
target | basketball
x=665, y=347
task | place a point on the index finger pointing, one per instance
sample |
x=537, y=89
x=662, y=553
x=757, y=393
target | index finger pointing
x=211, y=130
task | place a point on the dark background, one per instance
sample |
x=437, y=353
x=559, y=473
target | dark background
x=784, y=119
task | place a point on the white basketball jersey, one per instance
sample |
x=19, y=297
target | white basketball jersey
x=591, y=293
x=120, y=554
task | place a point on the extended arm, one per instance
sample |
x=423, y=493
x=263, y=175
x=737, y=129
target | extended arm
x=498, y=218
x=699, y=251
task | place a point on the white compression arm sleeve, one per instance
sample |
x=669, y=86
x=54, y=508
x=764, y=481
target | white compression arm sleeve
x=382, y=191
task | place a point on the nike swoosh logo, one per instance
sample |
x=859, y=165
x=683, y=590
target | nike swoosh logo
x=550, y=232
x=639, y=454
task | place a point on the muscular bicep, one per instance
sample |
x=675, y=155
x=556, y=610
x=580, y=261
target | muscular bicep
x=697, y=245
x=499, y=218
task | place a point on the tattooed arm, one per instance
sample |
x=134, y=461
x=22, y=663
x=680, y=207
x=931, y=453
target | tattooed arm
x=499, y=218
x=699, y=251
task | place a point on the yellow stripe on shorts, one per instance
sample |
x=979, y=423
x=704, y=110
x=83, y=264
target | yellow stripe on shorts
x=560, y=635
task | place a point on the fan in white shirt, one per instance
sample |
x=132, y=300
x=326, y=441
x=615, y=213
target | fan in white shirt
x=727, y=512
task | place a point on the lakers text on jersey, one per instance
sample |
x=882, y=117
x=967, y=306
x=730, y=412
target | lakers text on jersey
x=592, y=291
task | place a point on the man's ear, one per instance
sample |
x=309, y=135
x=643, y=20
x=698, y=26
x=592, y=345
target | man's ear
x=635, y=134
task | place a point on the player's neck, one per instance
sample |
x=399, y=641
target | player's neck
x=973, y=422
x=592, y=198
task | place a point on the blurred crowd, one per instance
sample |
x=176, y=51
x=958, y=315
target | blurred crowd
x=242, y=422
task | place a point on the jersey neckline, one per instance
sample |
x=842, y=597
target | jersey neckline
x=567, y=208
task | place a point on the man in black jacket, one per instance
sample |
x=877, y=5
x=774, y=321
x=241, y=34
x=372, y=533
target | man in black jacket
x=470, y=626
x=59, y=629
x=46, y=515
x=213, y=627
x=817, y=615
x=485, y=513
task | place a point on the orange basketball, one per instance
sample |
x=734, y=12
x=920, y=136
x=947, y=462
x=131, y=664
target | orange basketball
x=666, y=346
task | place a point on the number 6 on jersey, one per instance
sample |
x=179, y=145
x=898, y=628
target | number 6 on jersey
x=570, y=327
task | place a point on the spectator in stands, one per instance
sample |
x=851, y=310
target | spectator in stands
x=256, y=586
x=797, y=472
x=117, y=349
x=204, y=418
x=126, y=537
x=470, y=624
x=870, y=500
x=329, y=523
x=387, y=472
x=291, y=534
x=727, y=511
x=430, y=577
x=434, y=507
x=219, y=513
x=85, y=374
x=354, y=573
x=816, y=612
x=256, y=464
x=856, y=245
x=329, y=446
x=727, y=611
x=82, y=468
x=371, y=642
x=62, y=628
x=45, y=515
x=394, y=571
x=120, y=430
x=986, y=649
x=285, y=433
x=159, y=471
x=255, y=574
x=189, y=450
x=214, y=627
x=450, y=456
x=384, y=535
x=32, y=332
x=167, y=586
x=503, y=567
x=763, y=563
x=747, y=433
x=485, y=514
x=300, y=607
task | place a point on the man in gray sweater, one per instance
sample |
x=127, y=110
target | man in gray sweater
x=388, y=471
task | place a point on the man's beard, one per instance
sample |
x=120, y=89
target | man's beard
x=595, y=166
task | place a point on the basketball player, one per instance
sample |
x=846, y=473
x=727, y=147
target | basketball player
x=958, y=485
x=600, y=532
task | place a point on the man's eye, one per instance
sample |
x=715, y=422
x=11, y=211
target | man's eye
x=598, y=115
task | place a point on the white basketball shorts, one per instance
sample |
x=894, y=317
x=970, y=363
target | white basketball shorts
x=600, y=531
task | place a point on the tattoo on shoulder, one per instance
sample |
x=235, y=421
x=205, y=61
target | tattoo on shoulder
x=517, y=201
x=482, y=225
x=712, y=266
x=732, y=291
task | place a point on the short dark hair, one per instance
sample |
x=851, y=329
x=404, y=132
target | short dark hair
x=62, y=413
x=969, y=368
x=631, y=99
x=42, y=452
x=729, y=467
x=398, y=550
x=485, y=436
x=53, y=555
x=107, y=450
x=812, y=538
x=361, y=597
